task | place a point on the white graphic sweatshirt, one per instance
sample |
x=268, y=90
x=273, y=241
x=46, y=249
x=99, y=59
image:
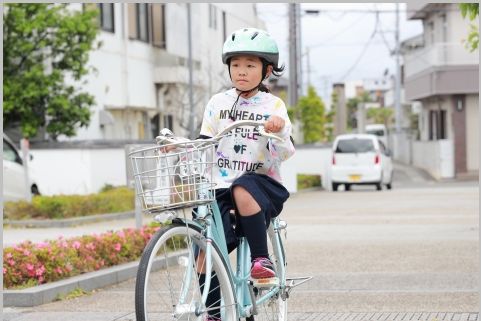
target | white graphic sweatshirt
x=246, y=150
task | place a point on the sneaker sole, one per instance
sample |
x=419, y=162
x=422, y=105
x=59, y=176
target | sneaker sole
x=265, y=282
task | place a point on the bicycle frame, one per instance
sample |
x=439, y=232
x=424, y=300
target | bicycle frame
x=214, y=232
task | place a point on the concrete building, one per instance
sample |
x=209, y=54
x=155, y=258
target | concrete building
x=142, y=80
x=441, y=76
x=140, y=86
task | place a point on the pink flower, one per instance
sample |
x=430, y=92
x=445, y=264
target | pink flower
x=90, y=246
x=30, y=267
x=69, y=267
x=26, y=253
x=117, y=247
x=9, y=255
x=58, y=270
x=40, y=271
x=76, y=245
x=4, y=271
x=11, y=262
x=121, y=234
x=42, y=245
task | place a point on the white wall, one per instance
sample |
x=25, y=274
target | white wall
x=436, y=157
x=77, y=171
x=306, y=160
x=85, y=171
x=472, y=132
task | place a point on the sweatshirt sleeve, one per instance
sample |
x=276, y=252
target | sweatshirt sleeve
x=285, y=149
x=209, y=122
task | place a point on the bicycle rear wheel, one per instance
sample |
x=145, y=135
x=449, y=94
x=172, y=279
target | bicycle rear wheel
x=274, y=309
x=168, y=286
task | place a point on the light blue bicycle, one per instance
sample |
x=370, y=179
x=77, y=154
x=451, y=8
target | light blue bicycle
x=186, y=262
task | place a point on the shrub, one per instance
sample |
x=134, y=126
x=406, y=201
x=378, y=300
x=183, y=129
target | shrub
x=28, y=264
x=306, y=181
x=112, y=200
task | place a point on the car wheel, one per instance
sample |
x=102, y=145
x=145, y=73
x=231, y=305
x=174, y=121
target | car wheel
x=389, y=186
x=347, y=187
x=378, y=186
x=35, y=190
x=334, y=187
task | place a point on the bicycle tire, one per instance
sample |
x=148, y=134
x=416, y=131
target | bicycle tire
x=155, y=301
x=274, y=309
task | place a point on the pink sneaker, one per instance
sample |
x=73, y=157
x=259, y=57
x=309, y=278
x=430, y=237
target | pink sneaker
x=262, y=268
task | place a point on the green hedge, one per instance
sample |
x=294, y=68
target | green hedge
x=307, y=181
x=109, y=200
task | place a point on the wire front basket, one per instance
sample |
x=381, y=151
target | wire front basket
x=177, y=179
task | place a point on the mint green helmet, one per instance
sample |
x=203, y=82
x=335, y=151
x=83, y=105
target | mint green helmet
x=251, y=41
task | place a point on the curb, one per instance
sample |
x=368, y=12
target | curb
x=69, y=222
x=46, y=293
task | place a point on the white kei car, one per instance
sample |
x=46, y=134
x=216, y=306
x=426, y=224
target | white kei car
x=14, y=186
x=360, y=159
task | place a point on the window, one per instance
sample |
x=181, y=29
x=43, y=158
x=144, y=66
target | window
x=143, y=21
x=224, y=27
x=138, y=14
x=437, y=124
x=158, y=25
x=107, y=16
x=355, y=145
x=212, y=16
x=169, y=122
x=10, y=154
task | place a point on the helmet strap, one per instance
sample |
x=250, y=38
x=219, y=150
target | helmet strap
x=234, y=106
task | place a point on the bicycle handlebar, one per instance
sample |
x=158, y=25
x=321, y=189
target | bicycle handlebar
x=167, y=139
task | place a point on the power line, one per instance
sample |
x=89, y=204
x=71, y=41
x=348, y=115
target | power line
x=339, y=33
x=362, y=52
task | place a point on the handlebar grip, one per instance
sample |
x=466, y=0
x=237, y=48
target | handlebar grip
x=265, y=134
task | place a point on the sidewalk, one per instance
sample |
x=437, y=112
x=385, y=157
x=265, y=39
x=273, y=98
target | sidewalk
x=12, y=235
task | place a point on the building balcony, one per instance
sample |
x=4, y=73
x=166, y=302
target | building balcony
x=439, y=55
x=441, y=69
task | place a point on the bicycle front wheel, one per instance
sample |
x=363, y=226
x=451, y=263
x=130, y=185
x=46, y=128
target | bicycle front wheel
x=170, y=282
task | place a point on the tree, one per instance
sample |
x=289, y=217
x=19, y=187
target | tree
x=352, y=105
x=42, y=45
x=472, y=11
x=380, y=115
x=312, y=112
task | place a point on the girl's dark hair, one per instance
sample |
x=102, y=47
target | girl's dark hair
x=276, y=71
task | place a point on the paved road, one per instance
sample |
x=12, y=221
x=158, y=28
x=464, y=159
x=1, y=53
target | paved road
x=406, y=254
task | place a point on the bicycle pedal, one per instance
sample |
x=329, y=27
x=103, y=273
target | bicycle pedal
x=265, y=283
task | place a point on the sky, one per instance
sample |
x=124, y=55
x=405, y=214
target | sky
x=337, y=40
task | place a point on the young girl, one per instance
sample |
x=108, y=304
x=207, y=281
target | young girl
x=247, y=165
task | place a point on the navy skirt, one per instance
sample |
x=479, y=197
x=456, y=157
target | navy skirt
x=268, y=193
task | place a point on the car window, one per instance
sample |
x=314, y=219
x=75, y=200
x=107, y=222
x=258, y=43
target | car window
x=377, y=132
x=382, y=147
x=10, y=154
x=355, y=145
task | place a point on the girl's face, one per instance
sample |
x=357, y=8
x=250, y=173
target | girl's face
x=246, y=71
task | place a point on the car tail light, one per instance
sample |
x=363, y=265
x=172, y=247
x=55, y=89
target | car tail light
x=333, y=159
x=376, y=159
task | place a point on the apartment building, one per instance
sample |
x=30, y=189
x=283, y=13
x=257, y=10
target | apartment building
x=441, y=76
x=142, y=78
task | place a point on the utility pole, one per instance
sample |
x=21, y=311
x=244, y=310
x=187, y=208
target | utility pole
x=191, y=93
x=308, y=68
x=293, y=87
x=397, y=97
x=298, y=49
